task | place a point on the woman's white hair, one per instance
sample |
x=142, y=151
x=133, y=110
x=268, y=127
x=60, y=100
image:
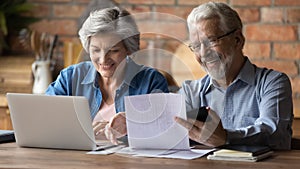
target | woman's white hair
x=113, y=20
x=229, y=18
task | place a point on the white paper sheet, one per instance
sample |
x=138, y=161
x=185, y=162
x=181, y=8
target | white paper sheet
x=150, y=121
x=176, y=154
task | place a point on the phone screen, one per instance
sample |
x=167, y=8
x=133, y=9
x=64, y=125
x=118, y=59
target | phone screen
x=199, y=114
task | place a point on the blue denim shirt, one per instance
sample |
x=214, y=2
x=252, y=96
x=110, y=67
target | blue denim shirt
x=255, y=109
x=82, y=80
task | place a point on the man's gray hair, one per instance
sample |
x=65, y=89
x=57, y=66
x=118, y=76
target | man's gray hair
x=229, y=18
x=109, y=20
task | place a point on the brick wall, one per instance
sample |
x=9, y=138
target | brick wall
x=271, y=27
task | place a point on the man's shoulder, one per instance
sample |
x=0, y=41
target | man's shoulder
x=264, y=73
x=197, y=84
x=270, y=79
x=261, y=73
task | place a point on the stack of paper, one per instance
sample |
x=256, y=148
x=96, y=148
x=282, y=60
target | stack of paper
x=241, y=153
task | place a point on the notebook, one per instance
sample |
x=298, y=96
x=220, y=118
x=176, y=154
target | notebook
x=60, y=122
x=241, y=153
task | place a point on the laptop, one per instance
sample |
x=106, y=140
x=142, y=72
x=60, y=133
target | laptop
x=59, y=122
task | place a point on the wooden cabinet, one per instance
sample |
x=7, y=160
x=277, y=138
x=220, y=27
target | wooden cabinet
x=15, y=76
x=5, y=122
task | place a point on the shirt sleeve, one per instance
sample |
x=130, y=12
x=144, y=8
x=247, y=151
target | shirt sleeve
x=62, y=85
x=273, y=127
x=159, y=83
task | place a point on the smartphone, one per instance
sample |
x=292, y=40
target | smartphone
x=199, y=114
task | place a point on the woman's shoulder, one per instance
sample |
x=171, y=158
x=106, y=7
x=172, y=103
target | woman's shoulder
x=86, y=65
x=140, y=69
x=149, y=69
x=150, y=72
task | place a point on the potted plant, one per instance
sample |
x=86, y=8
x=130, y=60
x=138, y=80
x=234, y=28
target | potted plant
x=13, y=18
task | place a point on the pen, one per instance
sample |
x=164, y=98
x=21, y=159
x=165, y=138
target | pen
x=102, y=148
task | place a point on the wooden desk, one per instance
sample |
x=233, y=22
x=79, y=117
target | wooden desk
x=15, y=157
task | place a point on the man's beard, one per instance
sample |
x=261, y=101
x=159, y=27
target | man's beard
x=220, y=67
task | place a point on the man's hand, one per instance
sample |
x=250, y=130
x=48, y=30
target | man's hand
x=210, y=133
x=116, y=128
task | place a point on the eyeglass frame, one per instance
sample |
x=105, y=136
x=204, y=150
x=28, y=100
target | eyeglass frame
x=208, y=41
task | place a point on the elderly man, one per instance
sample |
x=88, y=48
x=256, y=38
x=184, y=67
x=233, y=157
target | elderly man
x=247, y=105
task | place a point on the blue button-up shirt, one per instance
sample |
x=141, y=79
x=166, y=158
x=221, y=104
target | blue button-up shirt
x=256, y=108
x=82, y=80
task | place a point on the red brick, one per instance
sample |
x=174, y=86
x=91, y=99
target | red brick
x=41, y=10
x=60, y=27
x=196, y=2
x=140, y=12
x=296, y=85
x=54, y=1
x=148, y=2
x=179, y=11
x=271, y=32
x=166, y=29
x=287, y=50
x=272, y=37
x=257, y=50
x=70, y=11
x=293, y=15
x=272, y=15
x=248, y=14
x=83, y=1
x=137, y=8
x=287, y=2
x=251, y=2
x=288, y=67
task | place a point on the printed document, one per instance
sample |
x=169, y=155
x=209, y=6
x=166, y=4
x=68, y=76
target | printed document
x=152, y=130
x=150, y=121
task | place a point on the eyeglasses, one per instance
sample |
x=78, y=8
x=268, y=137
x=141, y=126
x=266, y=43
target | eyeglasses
x=209, y=43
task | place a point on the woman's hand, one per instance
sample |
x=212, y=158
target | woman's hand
x=99, y=129
x=116, y=127
x=210, y=132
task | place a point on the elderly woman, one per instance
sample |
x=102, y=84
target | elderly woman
x=110, y=36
